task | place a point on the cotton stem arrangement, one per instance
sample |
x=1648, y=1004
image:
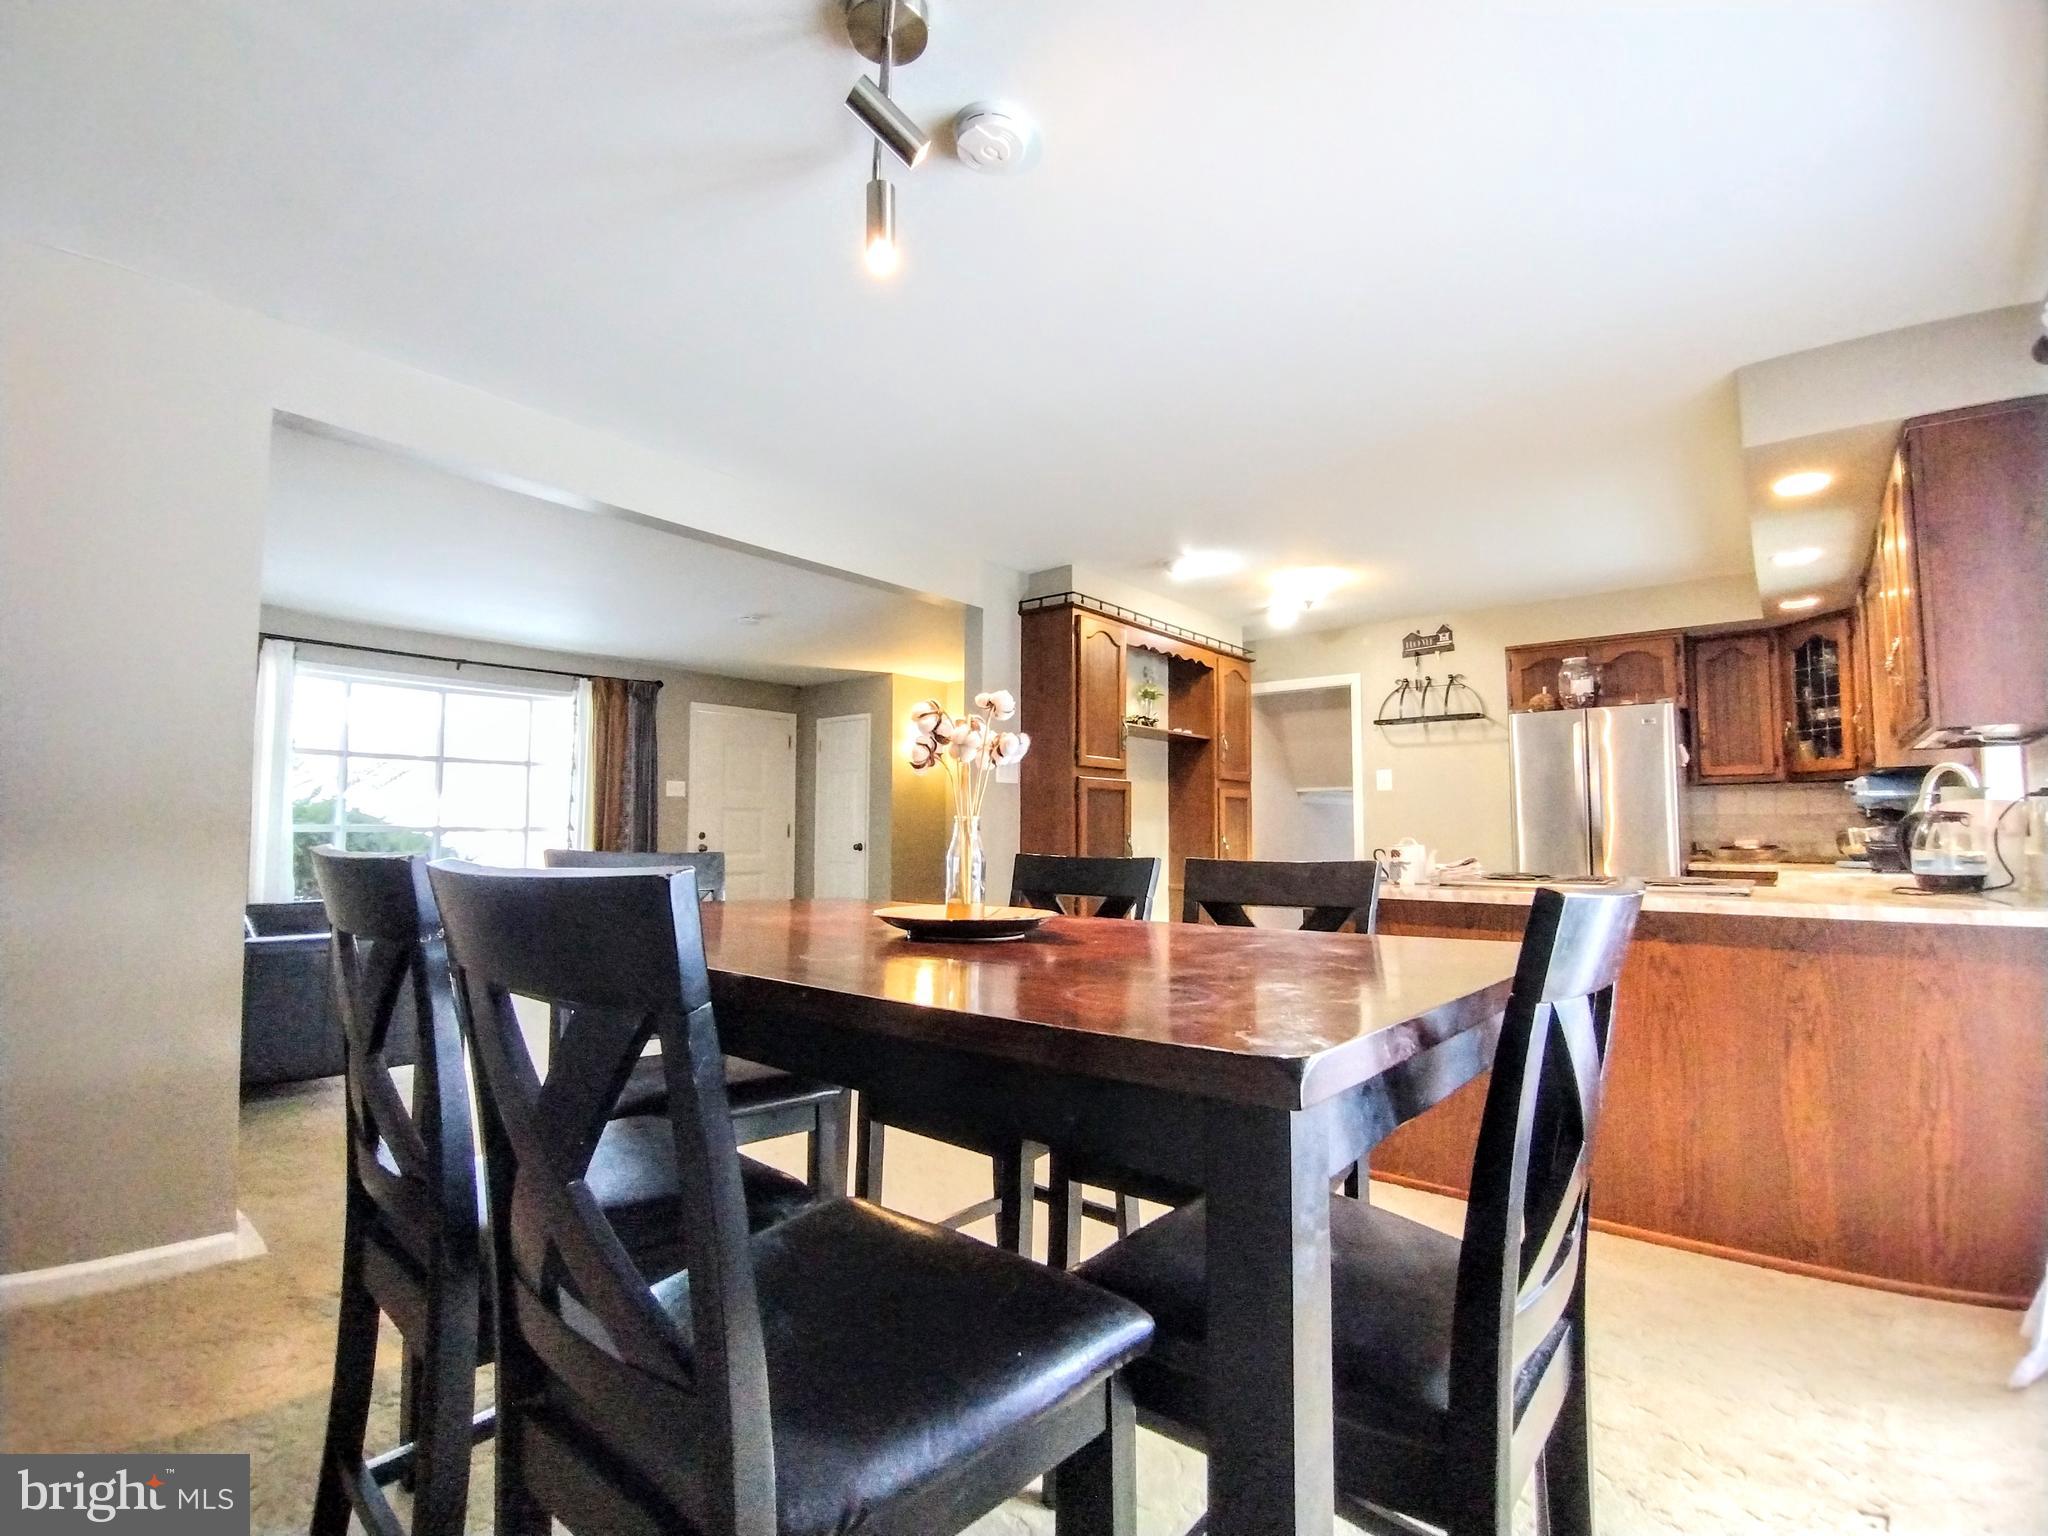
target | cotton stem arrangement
x=969, y=748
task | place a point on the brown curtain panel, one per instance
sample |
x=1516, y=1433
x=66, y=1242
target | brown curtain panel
x=623, y=791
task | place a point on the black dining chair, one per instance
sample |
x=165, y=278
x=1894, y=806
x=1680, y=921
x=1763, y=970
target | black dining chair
x=1113, y=888
x=766, y=1101
x=410, y=1246
x=1329, y=894
x=846, y=1369
x=1460, y=1366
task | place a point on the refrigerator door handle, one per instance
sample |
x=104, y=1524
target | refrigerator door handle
x=1598, y=766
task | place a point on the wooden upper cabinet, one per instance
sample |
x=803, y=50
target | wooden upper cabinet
x=1634, y=669
x=1738, y=730
x=1102, y=818
x=1098, y=693
x=1638, y=669
x=1233, y=719
x=1233, y=821
x=1821, y=703
x=1531, y=670
x=1970, y=555
x=1900, y=659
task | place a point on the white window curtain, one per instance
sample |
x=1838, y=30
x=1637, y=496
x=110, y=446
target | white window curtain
x=270, y=832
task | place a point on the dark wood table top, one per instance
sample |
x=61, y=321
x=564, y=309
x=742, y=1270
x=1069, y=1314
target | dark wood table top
x=1256, y=1016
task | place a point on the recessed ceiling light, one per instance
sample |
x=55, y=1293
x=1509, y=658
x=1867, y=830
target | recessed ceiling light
x=1804, y=556
x=1201, y=564
x=1798, y=604
x=1803, y=483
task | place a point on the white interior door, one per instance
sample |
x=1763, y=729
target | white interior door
x=742, y=797
x=839, y=823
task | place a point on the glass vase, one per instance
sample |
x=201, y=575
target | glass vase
x=966, y=863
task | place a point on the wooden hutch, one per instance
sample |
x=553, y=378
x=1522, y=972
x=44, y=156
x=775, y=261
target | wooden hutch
x=1078, y=793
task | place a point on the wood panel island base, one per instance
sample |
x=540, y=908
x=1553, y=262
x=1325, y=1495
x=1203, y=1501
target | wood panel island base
x=1863, y=1101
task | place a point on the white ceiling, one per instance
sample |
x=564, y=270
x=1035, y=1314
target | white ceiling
x=1446, y=293
x=355, y=532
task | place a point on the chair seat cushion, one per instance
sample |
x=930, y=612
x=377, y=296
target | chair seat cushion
x=897, y=1350
x=749, y=1086
x=1393, y=1286
x=633, y=1177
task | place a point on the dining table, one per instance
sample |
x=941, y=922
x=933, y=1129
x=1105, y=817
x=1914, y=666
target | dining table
x=1254, y=1065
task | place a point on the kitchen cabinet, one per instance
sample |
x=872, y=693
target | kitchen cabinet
x=1233, y=821
x=1102, y=818
x=1634, y=669
x=1738, y=731
x=1532, y=670
x=1076, y=791
x=1233, y=720
x=1820, y=699
x=1639, y=669
x=1098, y=692
x=1964, y=552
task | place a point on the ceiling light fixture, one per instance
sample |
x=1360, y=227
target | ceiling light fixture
x=1285, y=612
x=889, y=32
x=1799, y=604
x=1803, y=556
x=1802, y=483
x=1299, y=589
x=1202, y=564
x=893, y=128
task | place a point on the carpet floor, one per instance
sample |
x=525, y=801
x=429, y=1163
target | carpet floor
x=1726, y=1399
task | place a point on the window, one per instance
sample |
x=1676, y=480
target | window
x=388, y=763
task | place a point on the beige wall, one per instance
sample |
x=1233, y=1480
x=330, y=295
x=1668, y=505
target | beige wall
x=907, y=812
x=870, y=695
x=920, y=807
x=679, y=690
x=135, y=438
x=1450, y=782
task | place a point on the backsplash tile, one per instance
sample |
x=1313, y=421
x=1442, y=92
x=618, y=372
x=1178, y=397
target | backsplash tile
x=1801, y=818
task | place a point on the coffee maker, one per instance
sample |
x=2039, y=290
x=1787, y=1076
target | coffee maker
x=1884, y=796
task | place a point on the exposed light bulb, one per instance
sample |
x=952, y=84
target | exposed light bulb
x=1804, y=556
x=882, y=255
x=1803, y=483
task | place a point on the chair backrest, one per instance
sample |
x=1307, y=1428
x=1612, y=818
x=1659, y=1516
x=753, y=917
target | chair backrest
x=1330, y=893
x=1124, y=887
x=709, y=867
x=623, y=953
x=385, y=941
x=1521, y=1270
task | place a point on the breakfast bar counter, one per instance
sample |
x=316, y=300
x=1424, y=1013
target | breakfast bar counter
x=1818, y=892
x=1823, y=1076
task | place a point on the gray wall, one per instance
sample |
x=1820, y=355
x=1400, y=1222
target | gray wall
x=871, y=696
x=679, y=690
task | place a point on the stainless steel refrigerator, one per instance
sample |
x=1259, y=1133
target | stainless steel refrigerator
x=1599, y=791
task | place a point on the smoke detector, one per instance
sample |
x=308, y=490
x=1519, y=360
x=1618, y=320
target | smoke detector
x=994, y=136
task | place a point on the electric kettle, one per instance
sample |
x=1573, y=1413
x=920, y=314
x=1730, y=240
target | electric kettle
x=1947, y=849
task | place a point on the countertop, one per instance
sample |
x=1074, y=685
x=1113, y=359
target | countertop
x=1807, y=892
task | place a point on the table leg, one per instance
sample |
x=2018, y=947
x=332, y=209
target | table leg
x=1270, y=1416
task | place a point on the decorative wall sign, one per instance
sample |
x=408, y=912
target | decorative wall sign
x=1416, y=643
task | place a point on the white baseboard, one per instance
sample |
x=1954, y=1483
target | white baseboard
x=119, y=1271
